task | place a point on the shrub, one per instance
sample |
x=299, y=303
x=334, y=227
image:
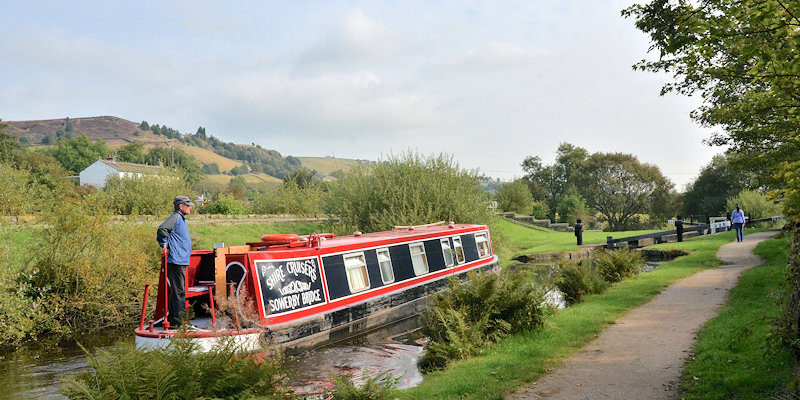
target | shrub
x=515, y=197
x=289, y=198
x=573, y=207
x=15, y=193
x=149, y=195
x=89, y=273
x=374, y=388
x=225, y=204
x=179, y=372
x=407, y=190
x=469, y=316
x=540, y=210
x=757, y=206
x=17, y=312
x=616, y=265
x=578, y=278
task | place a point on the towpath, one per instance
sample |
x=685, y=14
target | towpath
x=642, y=355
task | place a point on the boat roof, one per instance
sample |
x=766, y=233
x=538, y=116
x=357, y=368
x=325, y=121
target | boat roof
x=388, y=237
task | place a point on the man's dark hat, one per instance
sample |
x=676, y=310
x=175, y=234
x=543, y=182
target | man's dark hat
x=182, y=200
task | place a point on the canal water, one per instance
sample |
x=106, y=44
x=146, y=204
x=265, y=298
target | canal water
x=36, y=373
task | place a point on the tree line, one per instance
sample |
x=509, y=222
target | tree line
x=256, y=158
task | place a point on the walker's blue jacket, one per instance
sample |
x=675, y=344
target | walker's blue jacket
x=174, y=232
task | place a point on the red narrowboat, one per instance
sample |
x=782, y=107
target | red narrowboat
x=308, y=290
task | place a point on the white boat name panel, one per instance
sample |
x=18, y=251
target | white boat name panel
x=288, y=285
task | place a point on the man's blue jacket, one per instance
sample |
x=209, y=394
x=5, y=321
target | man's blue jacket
x=174, y=232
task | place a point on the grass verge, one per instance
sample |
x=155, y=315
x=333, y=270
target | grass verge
x=733, y=357
x=521, y=240
x=517, y=360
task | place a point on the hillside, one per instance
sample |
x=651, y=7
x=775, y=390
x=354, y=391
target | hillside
x=117, y=132
x=325, y=166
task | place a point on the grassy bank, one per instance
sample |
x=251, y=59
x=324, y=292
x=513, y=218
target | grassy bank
x=524, y=358
x=518, y=239
x=733, y=357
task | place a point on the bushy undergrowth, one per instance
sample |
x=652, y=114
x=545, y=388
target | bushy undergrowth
x=89, y=273
x=407, y=190
x=149, y=195
x=224, y=204
x=374, y=388
x=180, y=372
x=289, y=198
x=619, y=264
x=578, y=278
x=466, y=317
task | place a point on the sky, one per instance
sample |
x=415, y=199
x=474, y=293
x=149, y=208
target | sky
x=486, y=82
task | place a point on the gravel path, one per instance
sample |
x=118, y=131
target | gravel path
x=642, y=355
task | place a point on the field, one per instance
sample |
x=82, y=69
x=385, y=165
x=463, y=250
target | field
x=326, y=165
x=207, y=156
x=221, y=179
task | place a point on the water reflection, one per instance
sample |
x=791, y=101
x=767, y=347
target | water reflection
x=392, y=350
x=37, y=373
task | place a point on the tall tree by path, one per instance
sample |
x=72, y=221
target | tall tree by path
x=621, y=188
x=743, y=58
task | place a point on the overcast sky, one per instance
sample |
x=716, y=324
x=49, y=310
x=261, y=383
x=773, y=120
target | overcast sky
x=488, y=82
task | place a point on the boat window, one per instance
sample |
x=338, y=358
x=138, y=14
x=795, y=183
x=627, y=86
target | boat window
x=447, y=252
x=418, y=259
x=483, y=244
x=458, y=248
x=356, y=269
x=385, y=262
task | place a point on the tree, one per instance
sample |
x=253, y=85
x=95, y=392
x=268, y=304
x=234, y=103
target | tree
x=9, y=144
x=210, y=169
x=132, y=152
x=554, y=181
x=515, y=197
x=620, y=188
x=236, y=187
x=573, y=207
x=718, y=181
x=177, y=159
x=742, y=57
x=77, y=153
x=302, y=177
x=144, y=126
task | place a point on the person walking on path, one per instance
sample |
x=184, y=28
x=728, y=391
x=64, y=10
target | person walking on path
x=642, y=354
x=173, y=234
x=737, y=218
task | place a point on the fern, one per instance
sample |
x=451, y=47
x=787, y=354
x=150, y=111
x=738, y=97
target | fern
x=467, y=317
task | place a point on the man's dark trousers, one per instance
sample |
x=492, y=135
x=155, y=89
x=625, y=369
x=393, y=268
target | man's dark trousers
x=176, y=275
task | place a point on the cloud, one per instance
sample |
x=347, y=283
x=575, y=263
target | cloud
x=353, y=41
x=340, y=104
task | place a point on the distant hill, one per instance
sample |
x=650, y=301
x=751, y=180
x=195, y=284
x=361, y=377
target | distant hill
x=115, y=131
x=325, y=166
x=266, y=165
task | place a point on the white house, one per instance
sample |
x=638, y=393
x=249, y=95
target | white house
x=97, y=173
